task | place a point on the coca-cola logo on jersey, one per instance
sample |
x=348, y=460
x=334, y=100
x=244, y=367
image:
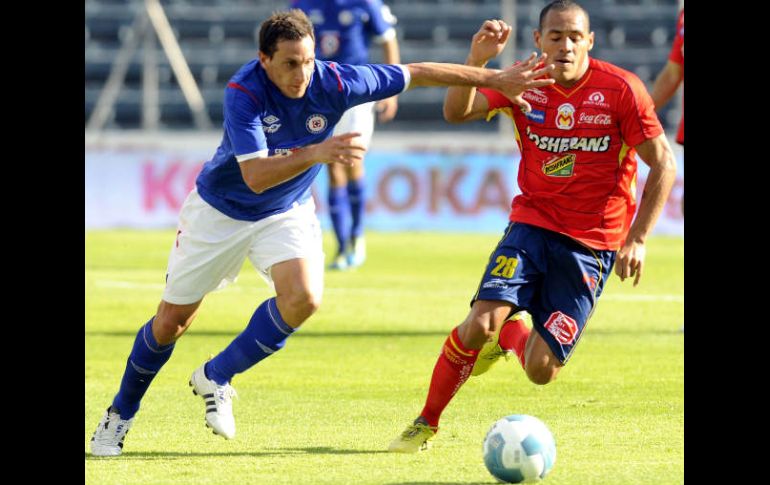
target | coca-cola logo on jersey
x=596, y=119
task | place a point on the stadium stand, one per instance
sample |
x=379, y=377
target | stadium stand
x=218, y=36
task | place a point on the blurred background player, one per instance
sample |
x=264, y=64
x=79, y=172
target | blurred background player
x=671, y=77
x=344, y=30
x=252, y=200
x=572, y=222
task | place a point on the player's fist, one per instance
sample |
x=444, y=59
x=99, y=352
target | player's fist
x=489, y=41
x=346, y=149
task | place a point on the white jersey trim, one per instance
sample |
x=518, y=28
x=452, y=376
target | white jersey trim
x=389, y=34
x=249, y=156
x=407, y=76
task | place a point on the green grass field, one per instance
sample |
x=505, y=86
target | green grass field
x=324, y=409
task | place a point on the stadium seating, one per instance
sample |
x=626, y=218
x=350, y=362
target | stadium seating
x=218, y=36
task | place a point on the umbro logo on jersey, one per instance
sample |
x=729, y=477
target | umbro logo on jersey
x=565, y=117
x=272, y=123
x=316, y=123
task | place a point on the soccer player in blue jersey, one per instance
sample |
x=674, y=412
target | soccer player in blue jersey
x=252, y=200
x=345, y=28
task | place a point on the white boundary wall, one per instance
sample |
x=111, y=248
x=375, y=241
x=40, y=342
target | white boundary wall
x=424, y=181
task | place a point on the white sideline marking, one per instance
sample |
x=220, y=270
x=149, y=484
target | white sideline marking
x=384, y=291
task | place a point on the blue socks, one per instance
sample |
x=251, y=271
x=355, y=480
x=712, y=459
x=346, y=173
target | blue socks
x=265, y=334
x=357, y=197
x=144, y=362
x=339, y=211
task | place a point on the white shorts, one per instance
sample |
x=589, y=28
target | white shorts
x=210, y=248
x=358, y=118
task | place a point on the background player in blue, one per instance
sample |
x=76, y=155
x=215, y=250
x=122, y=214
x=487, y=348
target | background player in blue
x=345, y=29
x=252, y=199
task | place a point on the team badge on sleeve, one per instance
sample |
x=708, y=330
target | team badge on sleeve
x=562, y=327
x=316, y=123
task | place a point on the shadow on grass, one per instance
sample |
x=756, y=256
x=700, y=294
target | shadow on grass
x=377, y=334
x=299, y=334
x=165, y=455
x=441, y=483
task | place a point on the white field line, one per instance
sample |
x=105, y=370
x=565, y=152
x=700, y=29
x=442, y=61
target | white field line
x=127, y=285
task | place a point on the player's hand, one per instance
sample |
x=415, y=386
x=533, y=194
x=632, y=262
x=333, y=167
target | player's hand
x=488, y=42
x=630, y=261
x=346, y=149
x=516, y=79
x=386, y=109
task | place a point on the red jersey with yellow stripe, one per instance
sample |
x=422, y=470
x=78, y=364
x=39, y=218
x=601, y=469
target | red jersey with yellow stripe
x=578, y=165
x=677, y=56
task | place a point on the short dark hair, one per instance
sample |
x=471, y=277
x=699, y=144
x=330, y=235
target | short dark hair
x=285, y=25
x=560, y=6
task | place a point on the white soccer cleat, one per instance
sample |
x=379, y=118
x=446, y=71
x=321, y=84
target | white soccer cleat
x=357, y=252
x=110, y=433
x=219, y=403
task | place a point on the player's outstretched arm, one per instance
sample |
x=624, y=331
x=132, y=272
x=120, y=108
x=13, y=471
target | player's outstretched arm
x=461, y=103
x=263, y=173
x=511, y=81
x=655, y=152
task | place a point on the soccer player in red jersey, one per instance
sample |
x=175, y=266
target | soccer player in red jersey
x=672, y=75
x=573, y=220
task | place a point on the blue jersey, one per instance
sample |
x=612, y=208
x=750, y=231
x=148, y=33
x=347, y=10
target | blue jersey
x=344, y=28
x=260, y=122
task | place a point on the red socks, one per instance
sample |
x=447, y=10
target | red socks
x=452, y=369
x=513, y=336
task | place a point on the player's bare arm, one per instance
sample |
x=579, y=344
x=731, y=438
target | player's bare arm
x=461, y=103
x=666, y=84
x=387, y=108
x=656, y=153
x=511, y=81
x=262, y=173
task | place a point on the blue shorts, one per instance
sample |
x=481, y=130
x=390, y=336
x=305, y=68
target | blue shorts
x=553, y=277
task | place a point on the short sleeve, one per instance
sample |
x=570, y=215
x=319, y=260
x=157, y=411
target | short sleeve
x=243, y=124
x=677, y=47
x=371, y=82
x=380, y=22
x=495, y=99
x=638, y=121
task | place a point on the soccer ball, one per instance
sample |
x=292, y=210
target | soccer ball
x=519, y=449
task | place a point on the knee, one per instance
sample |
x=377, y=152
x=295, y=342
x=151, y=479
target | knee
x=477, y=332
x=298, y=305
x=168, y=326
x=541, y=375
